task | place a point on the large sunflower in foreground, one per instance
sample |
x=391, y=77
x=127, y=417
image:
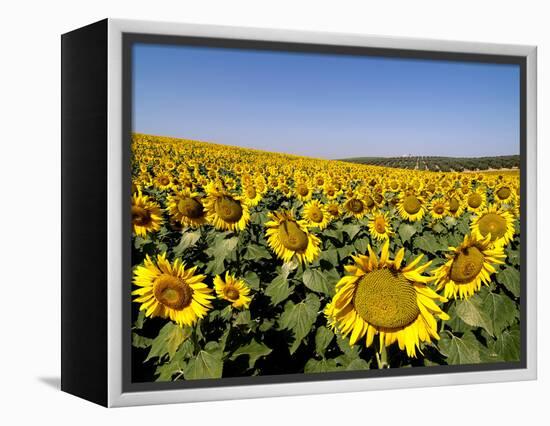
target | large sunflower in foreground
x=379, y=296
x=411, y=206
x=186, y=208
x=225, y=211
x=233, y=290
x=495, y=221
x=146, y=214
x=468, y=266
x=169, y=290
x=289, y=237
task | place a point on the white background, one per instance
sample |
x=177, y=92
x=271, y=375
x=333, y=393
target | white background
x=30, y=210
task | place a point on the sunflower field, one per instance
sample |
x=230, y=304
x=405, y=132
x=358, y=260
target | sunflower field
x=249, y=263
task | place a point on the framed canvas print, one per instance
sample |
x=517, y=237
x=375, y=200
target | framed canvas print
x=251, y=212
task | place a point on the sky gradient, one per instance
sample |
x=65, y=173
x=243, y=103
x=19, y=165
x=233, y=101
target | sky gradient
x=326, y=106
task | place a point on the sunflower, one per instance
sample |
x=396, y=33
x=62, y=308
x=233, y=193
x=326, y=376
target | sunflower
x=303, y=191
x=169, y=290
x=378, y=296
x=455, y=206
x=438, y=208
x=411, y=206
x=355, y=206
x=331, y=191
x=497, y=222
x=503, y=193
x=225, y=211
x=251, y=195
x=233, y=290
x=475, y=200
x=146, y=214
x=163, y=181
x=316, y=214
x=333, y=210
x=468, y=266
x=289, y=237
x=186, y=208
x=379, y=226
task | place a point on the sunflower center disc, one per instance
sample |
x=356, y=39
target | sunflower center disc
x=229, y=210
x=474, y=200
x=355, y=205
x=370, y=202
x=173, y=292
x=164, y=180
x=333, y=210
x=140, y=216
x=453, y=205
x=330, y=192
x=494, y=224
x=439, y=209
x=251, y=192
x=386, y=299
x=411, y=204
x=503, y=193
x=231, y=293
x=189, y=207
x=303, y=190
x=380, y=225
x=466, y=265
x=292, y=237
x=315, y=214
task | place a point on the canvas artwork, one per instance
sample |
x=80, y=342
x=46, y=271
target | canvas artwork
x=303, y=213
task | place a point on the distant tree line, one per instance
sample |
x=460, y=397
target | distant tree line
x=443, y=164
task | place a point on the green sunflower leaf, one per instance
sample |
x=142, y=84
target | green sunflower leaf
x=169, y=339
x=323, y=337
x=188, y=239
x=330, y=256
x=299, y=318
x=140, y=341
x=278, y=290
x=510, y=279
x=428, y=243
x=473, y=313
x=352, y=230
x=321, y=366
x=357, y=364
x=460, y=350
x=218, y=252
x=350, y=353
x=361, y=245
x=317, y=281
x=406, y=231
x=256, y=252
x=501, y=310
x=254, y=350
x=508, y=345
x=205, y=365
x=252, y=280
x=512, y=256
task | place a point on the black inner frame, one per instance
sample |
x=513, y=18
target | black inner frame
x=129, y=39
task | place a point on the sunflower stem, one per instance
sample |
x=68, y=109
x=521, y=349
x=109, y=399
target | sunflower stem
x=382, y=357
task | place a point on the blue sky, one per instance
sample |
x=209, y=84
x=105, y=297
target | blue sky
x=326, y=106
